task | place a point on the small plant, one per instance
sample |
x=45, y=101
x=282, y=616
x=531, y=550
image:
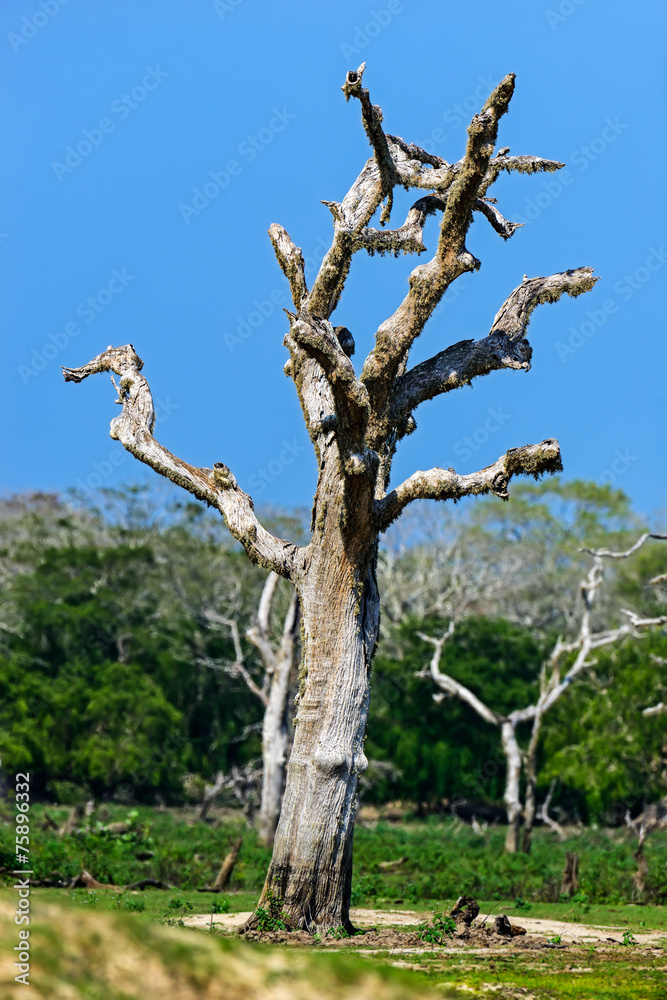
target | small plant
x=437, y=932
x=176, y=903
x=135, y=905
x=338, y=933
x=271, y=916
x=629, y=939
x=220, y=906
x=522, y=904
x=555, y=940
x=89, y=897
x=581, y=900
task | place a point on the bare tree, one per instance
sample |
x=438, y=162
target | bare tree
x=279, y=663
x=355, y=423
x=552, y=685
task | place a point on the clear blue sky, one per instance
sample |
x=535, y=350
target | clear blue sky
x=154, y=98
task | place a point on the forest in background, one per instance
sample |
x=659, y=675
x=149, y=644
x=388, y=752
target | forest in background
x=118, y=678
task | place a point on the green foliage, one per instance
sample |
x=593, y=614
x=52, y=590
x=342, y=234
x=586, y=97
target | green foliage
x=102, y=686
x=441, y=749
x=439, y=930
x=220, y=906
x=271, y=916
x=338, y=933
x=607, y=756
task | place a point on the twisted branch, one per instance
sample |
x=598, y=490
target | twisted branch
x=216, y=487
x=445, y=484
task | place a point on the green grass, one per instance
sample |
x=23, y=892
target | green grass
x=580, y=974
x=445, y=859
x=164, y=906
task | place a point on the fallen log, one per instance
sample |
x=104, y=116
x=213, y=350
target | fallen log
x=226, y=869
x=86, y=881
x=390, y=866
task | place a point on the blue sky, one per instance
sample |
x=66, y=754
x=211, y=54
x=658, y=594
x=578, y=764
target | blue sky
x=116, y=114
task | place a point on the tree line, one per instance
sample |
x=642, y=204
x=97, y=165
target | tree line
x=131, y=661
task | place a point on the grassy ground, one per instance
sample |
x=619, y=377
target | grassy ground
x=169, y=907
x=444, y=859
x=98, y=953
x=580, y=974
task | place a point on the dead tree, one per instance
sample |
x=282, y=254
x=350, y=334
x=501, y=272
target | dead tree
x=653, y=817
x=273, y=691
x=355, y=422
x=552, y=686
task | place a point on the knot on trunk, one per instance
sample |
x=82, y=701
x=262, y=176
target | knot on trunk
x=331, y=761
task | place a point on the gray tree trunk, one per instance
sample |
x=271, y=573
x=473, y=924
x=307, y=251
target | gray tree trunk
x=512, y=753
x=311, y=867
x=355, y=422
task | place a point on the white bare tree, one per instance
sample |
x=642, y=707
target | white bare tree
x=553, y=684
x=280, y=662
x=356, y=422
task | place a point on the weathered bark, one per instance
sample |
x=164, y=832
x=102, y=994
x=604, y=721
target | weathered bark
x=355, y=423
x=311, y=868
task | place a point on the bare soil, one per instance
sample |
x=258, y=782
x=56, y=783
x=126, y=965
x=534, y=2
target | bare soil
x=396, y=929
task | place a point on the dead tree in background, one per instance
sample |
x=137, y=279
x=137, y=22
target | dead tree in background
x=552, y=686
x=280, y=663
x=355, y=422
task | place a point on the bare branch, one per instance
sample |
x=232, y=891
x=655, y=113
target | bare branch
x=501, y=225
x=607, y=554
x=520, y=164
x=504, y=347
x=291, y=261
x=318, y=340
x=449, y=685
x=445, y=484
x=371, y=116
x=428, y=282
x=217, y=487
x=543, y=814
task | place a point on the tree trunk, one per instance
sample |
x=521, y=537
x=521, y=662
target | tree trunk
x=275, y=744
x=311, y=868
x=512, y=799
x=570, y=880
x=530, y=766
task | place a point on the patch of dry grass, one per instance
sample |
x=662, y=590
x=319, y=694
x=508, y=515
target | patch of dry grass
x=102, y=956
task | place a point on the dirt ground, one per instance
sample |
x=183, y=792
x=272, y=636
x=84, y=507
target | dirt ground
x=396, y=929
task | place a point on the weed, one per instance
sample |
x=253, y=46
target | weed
x=555, y=940
x=581, y=900
x=338, y=933
x=271, y=916
x=437, y=932
x=220, y=906
x=522, y=904
x=629, y=938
